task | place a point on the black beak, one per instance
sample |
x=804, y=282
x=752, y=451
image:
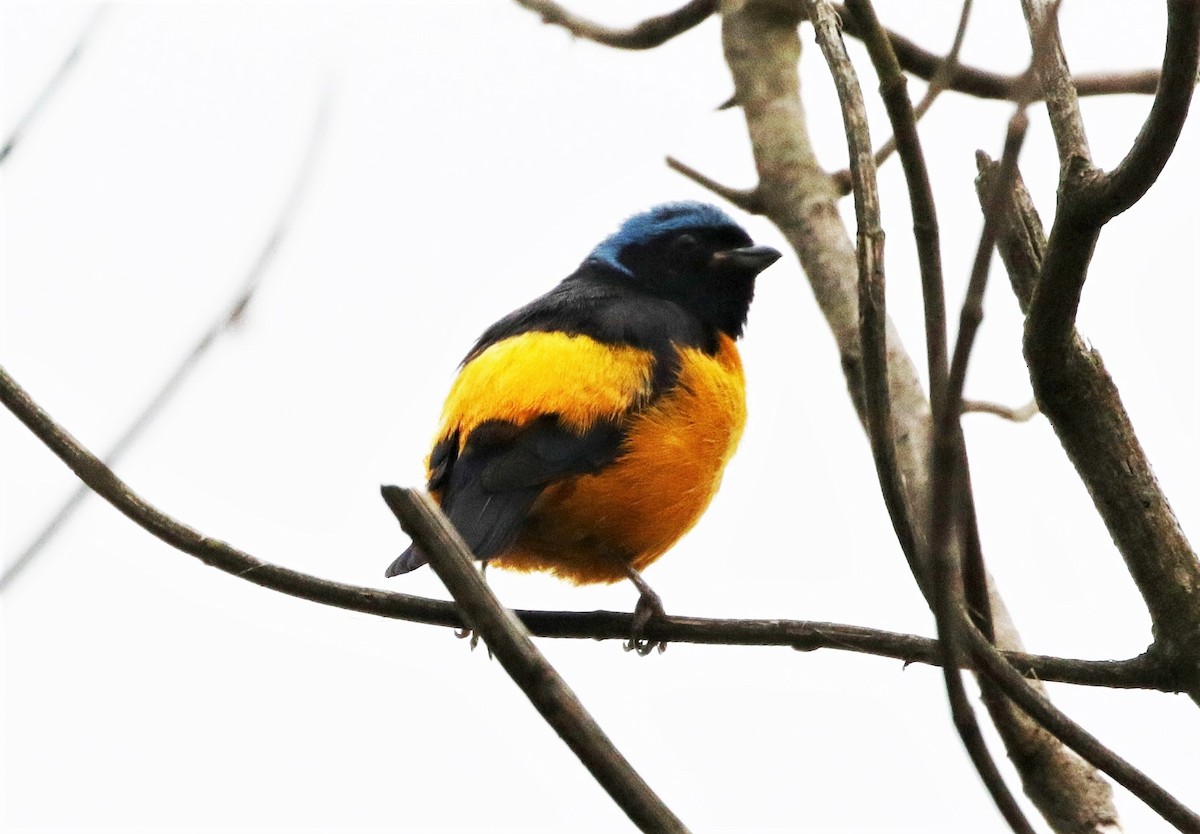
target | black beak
x=749, y=260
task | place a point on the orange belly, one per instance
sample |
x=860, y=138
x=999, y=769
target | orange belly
x=588, y=528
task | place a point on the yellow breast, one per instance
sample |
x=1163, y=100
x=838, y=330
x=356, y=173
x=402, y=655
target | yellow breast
x=588, y=528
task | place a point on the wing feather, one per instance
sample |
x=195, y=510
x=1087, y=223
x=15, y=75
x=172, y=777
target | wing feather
x=523, y=413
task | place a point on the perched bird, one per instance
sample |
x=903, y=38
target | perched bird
x=588, y=430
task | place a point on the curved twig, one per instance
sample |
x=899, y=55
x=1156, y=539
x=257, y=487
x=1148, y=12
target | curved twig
x=1131, y=179
x=983, y=84
x=937, y=85
x=652, y=32
x=878, y=404
x=54, y=84
x=1073, y=390
x=230, y=316
x=1135, y=673
x=1018, y=414
x=744, y=198
x=1039, y=707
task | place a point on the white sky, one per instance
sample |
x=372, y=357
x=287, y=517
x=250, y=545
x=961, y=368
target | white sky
x=473, y=157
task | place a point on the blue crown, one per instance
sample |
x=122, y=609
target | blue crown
x=655, y=222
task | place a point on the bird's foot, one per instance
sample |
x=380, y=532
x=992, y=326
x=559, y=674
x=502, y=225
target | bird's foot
x=649, y=606
x=465, y=633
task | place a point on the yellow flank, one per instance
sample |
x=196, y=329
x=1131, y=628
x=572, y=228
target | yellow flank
x=587, y=528
x=534, y=374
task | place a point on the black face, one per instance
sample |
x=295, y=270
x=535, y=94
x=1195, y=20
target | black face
x=709, y=271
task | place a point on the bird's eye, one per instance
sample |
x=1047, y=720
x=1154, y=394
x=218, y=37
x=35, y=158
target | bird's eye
x=685, y=244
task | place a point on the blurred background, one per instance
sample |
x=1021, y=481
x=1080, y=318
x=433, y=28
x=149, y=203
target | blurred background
x=468, y=159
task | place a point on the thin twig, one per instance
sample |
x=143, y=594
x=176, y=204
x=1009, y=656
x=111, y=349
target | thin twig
x=1069, y=791
x=983, y=84
x=1062, y=99
x=54, y=84
x=1131, y=179
x=922, y=63
x=648, y=34
x=1017, y=732
x=1020, y=414
x=937, y=85
x=950, y=477
x=232, y=314
x=744, y=198
x=894, y=90
x=878, y=404
x=1134, y=673
x=871, y=295
x=1038, y=706
x=952, y=500
x=509, y=641
x=1075, y=393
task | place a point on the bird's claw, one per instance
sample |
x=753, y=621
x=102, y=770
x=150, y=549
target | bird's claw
x=649, y=606
x=465, y=633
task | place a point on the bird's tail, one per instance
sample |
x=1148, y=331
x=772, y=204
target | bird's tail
x=409, y=560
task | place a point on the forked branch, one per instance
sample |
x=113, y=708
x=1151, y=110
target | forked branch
x=1135, y=673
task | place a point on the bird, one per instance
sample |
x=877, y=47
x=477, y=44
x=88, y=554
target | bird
x=587, y=431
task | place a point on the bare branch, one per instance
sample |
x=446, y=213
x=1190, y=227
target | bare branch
x=1062, y=102
x=652, y=32
x=937, y=84
x=744, y=198
x=878, y=406
x=1021, y=241
x=1136, y=673
x=1071, y=791
x=1019, y=414
x=952, y=489
x=1133, y=176
x=1077, y=395
x=983, y=84
x=1037, y=705
x=230, y=316
x=871, y=296
x=972, y=309
x=894, y=90
x=1072, y=795
x=1099, y=438
x=507, y=638
x=54, y=84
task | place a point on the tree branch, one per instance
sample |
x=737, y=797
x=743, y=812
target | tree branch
x=54, y=84
x=507, y=638
x=1069, y=380
x=744, y=198
x=922, y=63
x=983, y=84
x=896, y=86
x=652, y=32
x=872, y=318
x=1022, y=245
x=1068, y=791
x=872, y=309
x=1062, y=101
x=1037, y=705
x=230, y=316
x=1135, y=673
x=1019, y=414
x=1133, y=176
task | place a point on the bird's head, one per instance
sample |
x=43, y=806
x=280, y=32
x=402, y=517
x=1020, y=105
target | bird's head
x=690, y=253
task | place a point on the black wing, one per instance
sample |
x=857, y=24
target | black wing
x=488, y=488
